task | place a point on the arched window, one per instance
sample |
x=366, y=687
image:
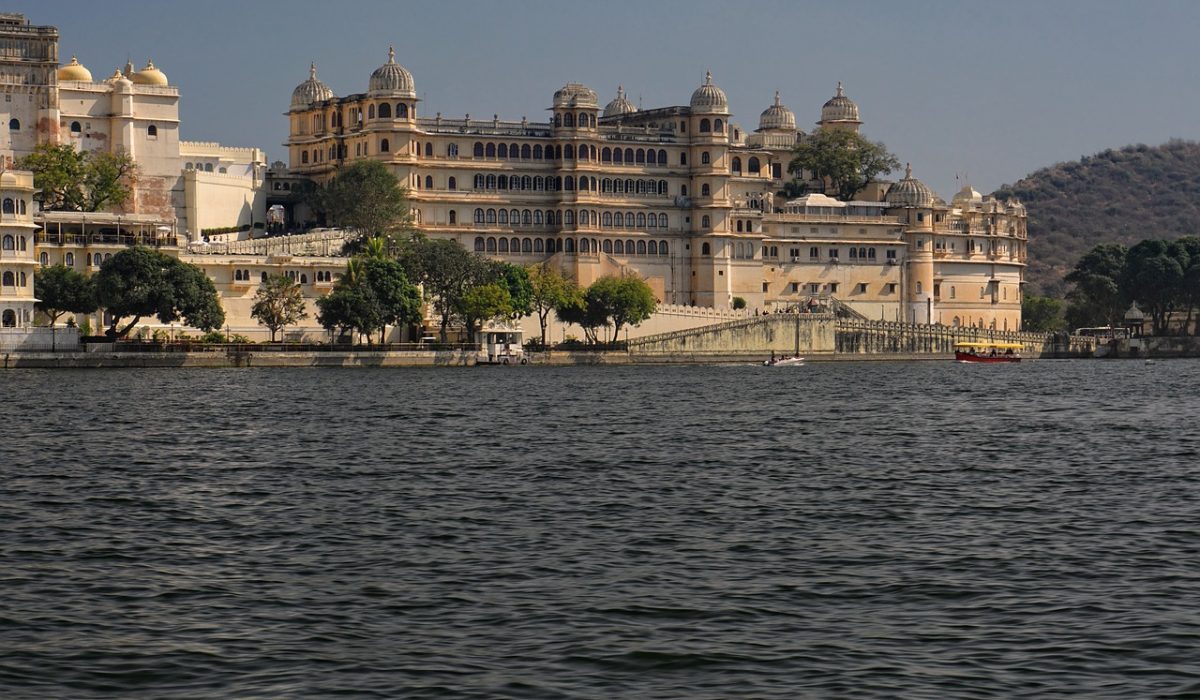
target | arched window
x=619, y=247
x=491, y=182
x=402, y=111
x=479, y=216
x=502, y=151
x=739, y=226
x=152, y=131
x=718, y=126
x=538, y=246
x=736, y=165
x=9, y=319
x=705, y=222
x=490, y=150
x=754, y=166
x=526, y=245
x=606, y=155
x=491, y=245
x=641, y=220
x=628, y=155
x=537, y=217
x=502, y=182
x=704, y=158
x=429, y=182
x=385, y=111
x=662, y=246
x=491, y=216
x=371, y=111
x=705, y=190
x=429, y=150
x=526, y=218
x=9, y=208
x=502, y=217
x=569, y=245
x=453, y=217
x=652, y=247
x=629, y=219
x=569, y=152
x=569, y=218
x=706, y=249
x=44, y=259
x=304, y=157
x=10, y=280
x=70, y=260
x=662, y=220
x=607, y=246
x=478, y=149
x=263, y=276
x=583, y=245
x=705, y=126
x=662, y=157
x=76, y=128
x=918, y=286
x=639, y=156
x=568, y=119
x=537, y=152
x=503, y=245
x=452, y=183
x=479, y=181
x=606, y=219
x=618, y=155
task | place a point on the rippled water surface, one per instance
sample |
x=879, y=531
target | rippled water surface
x=877, y=530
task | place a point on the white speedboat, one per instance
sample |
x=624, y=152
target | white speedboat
x=783, y=362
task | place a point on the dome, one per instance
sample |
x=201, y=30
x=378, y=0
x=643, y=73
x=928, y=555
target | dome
x=392, y=78
x=9, y=179
x=149, y=76
x=74, y=71
x=576, y=95
x=119, y=80
x=967, y=195
x=709, y=98
x=310, y=91
x=777, y=117
x=910, y=192
x=839, y=108
x=620, y=105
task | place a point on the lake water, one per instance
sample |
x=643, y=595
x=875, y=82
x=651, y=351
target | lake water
x=842, y=530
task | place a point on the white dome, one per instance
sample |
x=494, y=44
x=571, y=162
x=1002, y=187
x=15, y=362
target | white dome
x=967, y=195
x=777, y=117
x=709, y=98
x=839, y=108
x=620, y=105
x=310, y=91
x=576, y=95
x=910, y=192
x=392, y=79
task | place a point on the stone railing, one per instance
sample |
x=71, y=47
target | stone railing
x=324, y=242
x=872, y=337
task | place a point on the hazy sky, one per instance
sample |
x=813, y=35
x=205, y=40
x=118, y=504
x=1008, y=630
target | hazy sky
x=992, y=89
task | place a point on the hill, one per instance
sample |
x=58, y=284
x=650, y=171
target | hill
x=1122, y=196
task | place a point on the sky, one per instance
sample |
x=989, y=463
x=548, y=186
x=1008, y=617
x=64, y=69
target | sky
x=978, y=92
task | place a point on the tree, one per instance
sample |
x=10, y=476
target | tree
x=70, y=180
x=573, y=307
x=1097, y=297
x=366, y=198
x=141, y=282
x=548, y=289
x=399, y=301
x=848, y=160
x=620, y=301
x=483, y=302
x=515, y=279
x=372, y=294
x=279, y=302
x=60, y=289
x=1153, y=276
x=447, y=271
x=1041, y=314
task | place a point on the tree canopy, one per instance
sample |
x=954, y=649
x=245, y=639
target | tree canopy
x=846, y=159
x=278, y=303
x=138, y=282
x=366, y=198
x=60, y=289
x=447, y=271
x=371, y=295
x=621, y=301
x=70, y=180
x=548, y=290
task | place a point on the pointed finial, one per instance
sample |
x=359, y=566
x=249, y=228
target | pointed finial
x=840, y=92
x=620, y=91
x=776, y=98
x=391, y=54
x=708, y=77
x=907, y=171
x=312, y=71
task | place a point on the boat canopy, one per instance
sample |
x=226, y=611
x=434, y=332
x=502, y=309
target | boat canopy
x=989, y=344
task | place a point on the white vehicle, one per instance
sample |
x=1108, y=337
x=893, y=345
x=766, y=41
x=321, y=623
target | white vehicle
x=500, y=345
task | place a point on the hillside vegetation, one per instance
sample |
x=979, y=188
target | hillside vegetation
x=1117, y=196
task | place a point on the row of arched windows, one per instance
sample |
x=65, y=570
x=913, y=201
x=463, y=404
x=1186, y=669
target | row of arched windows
x=11, y=242
x=205, y=167
x=628, y=186
x=8, y=319
x=716, y=126
x=586, y=217
x=753, y=166
x=745, y=226
x=14, y=206
x=385, y=111
x=13, y=279
x=584, y=120
x=569, y=245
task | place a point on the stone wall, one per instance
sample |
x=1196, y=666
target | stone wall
x=757, y=336
x=38, y=339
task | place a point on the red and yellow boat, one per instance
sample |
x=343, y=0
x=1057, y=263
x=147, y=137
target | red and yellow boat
x=987, y=352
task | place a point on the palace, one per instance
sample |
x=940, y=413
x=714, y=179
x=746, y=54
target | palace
x=680, y=195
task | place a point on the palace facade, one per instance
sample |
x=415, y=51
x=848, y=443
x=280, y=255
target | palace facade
x=679, y=195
